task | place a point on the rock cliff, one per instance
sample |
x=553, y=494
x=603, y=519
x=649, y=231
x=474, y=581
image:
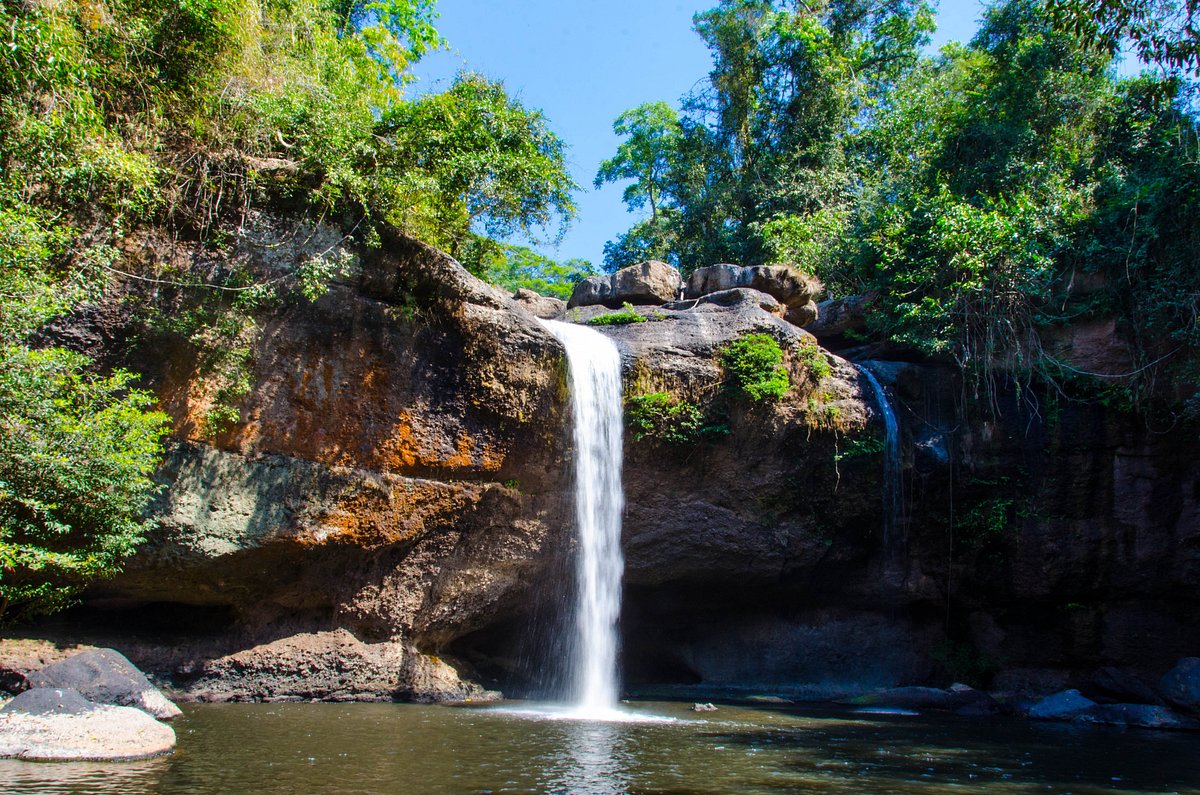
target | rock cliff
x=389, y=518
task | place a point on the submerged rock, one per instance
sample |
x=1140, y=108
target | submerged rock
x=1143, y=716
x=1067, y=705
x=60, y=724
x=105, y=676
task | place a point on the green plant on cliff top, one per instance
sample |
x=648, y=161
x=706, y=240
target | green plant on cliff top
x=622, y=317
x=754, y=366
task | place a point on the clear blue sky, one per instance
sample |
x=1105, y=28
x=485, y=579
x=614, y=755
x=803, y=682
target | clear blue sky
x=584, y=63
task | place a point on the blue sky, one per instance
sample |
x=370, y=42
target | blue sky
x=584, y=63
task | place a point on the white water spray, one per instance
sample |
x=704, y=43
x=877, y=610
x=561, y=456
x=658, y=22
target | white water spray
x=595, y=368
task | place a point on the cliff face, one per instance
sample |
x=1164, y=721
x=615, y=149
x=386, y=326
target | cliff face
x=399, y=488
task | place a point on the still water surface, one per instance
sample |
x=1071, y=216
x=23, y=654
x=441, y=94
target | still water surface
x=380, y=749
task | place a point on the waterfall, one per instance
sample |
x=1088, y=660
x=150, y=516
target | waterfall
x=595, y=370
x=892, y=476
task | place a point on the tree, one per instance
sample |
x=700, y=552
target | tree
x=1164, y=33
x=76, y=456
x=473, y=157
x=652, y=132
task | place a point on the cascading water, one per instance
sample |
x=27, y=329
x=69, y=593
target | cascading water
x=892, y=475
x=595, y=370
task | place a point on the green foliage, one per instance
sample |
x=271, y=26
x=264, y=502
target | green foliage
x=759, y=166
x=622, y=317
x=658, y=415
x=473, y=156
x=1163, y=32
x=514, y=267
x=76, y=456
x=814, y=360
x=863, y=447
x=754, y=367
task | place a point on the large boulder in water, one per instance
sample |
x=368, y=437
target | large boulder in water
x=651, y=282
x=1181, y=685
x=105, y=676
x=1067, y=705
x=60, y=724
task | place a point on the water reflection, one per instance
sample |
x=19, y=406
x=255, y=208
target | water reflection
x=593, y=760
x=82, y=778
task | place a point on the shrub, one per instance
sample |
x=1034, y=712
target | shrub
x=813, y=358
x=623, y=317
x=754, y=366
x=658, y=415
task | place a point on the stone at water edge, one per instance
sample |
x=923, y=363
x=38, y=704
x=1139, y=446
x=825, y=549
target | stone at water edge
x=1142, y=716
x=1181, y=685
x=105, y=676
x=1111, y=685
x=1067, y=705
x=707, y=707
x=59, y=724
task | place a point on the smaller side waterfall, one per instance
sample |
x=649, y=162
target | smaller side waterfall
x=595, y=369
x=893, y=536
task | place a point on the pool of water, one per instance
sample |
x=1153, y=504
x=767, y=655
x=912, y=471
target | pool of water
x=369, y=749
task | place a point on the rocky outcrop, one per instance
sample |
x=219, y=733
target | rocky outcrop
x=538, y=305
x=104, y=676
x=330, y=666
x=796, y=291
x=59, y=724
x=651, y=282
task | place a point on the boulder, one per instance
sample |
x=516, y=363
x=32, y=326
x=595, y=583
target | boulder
x=105, y=676
x=736, y=297
x=60, y=724
x=1181, y=685
x=1114, y=686
x=650, y=282
x=1144, y=716
x=592, y=291
x=538, y=305
x=839, y=316
x=786, y=284
x=331, y=666
x=1067, y=705
x=802, y=315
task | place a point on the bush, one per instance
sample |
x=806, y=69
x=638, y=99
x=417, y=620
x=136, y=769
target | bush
x=754, y=366
x=657, y=415
x=626, y=315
